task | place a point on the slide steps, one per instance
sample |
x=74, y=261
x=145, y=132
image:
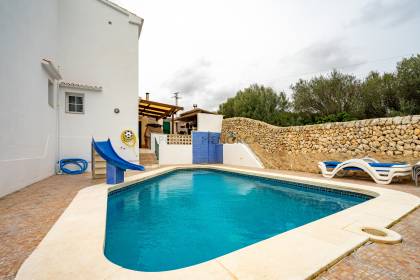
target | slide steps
x=98, y=166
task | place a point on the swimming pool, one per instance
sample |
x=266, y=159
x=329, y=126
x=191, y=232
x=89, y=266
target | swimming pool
x=186, y=217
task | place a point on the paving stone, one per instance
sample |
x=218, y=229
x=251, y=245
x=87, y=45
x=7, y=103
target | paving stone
x=27, y=215
x=381, y=261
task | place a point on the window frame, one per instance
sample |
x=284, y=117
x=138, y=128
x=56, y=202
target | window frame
x=75, y=94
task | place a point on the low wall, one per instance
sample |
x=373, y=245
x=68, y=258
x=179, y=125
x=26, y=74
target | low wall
x=241, y=155
x=300, y=148
x=171, y=153
x=175, y=154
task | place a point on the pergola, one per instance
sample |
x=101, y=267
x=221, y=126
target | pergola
x=158, y=110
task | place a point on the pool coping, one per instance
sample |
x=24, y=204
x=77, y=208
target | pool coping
x=73, y=248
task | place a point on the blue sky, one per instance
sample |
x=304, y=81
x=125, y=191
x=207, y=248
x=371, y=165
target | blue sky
x=208, y=50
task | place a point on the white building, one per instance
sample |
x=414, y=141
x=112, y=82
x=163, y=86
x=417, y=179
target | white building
x=66, y=68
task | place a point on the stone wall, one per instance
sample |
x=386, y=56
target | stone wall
x=302, y=147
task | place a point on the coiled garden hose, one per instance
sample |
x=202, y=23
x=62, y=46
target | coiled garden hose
x=80, y=163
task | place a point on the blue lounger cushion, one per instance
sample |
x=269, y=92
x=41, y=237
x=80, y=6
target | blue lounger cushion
x=333, y=164
x=381, y=172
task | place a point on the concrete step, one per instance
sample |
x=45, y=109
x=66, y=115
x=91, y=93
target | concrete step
x=147, y=156
x=148, y=162
x=148, y=159
x=145, y=151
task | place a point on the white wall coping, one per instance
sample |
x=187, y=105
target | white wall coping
x=73, y=248
x=80, y=86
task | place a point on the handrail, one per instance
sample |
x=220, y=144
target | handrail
x=156, y=149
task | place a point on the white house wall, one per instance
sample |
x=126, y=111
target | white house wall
x=209, y=122
x=159, y=138
x=171, y=154
x=28, y=32
x=241, y=155
x=76, y=37
x=94, y=52
x=175, y=154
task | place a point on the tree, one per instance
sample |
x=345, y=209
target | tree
x=408, y=85
x=330, y=95
x=227, y=108
x=333, y=98
x=256, y=102
x=378, y=95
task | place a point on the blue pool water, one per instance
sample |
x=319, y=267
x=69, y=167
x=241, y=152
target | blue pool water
x=190, y=216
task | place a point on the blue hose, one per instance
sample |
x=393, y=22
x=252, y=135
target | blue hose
x=81, y=163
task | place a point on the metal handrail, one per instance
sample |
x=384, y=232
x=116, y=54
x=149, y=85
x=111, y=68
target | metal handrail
x=416, y=173
x=156, y=149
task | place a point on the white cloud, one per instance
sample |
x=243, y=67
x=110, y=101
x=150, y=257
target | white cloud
x=208, y=50
x=389, y=13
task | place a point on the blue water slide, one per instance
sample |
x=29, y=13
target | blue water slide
x=115, y=165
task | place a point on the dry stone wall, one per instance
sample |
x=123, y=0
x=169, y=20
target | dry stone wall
x=300, y=148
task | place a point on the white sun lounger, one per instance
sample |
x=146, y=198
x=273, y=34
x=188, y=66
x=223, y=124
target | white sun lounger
x=381, y=173
x=416, y=172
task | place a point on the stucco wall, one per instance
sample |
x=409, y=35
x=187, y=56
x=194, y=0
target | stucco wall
x=209, y=122
x=241, y=155
x=76, y=36
x=301, y=147
x=27, y=123
x=94, y=52
x=175, y=154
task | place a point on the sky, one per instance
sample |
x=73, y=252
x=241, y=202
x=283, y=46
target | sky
x=208, y=50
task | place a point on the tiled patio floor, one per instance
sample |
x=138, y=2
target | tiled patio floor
x=381, y=261
x=27, y=215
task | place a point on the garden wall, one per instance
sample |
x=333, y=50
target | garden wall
x=300, y=148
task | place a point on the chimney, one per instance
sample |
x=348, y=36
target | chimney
x=147, y=95
x=195, y=106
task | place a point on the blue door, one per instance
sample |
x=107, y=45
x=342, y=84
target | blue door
x=214, y=138
x=200, y=145
x=204, y=147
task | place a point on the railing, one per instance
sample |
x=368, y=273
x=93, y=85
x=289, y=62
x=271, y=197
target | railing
x=179, y=139
x=156, y=149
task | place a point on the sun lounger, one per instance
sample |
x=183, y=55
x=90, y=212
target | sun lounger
x=381, y=173
x=416, y=172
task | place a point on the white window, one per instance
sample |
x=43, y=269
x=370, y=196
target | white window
x=51, y=94
x=75, y=103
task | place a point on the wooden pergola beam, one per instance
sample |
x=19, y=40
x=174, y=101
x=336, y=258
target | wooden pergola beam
x=160, y=104
x=157, y=110
x=147, y=109
x=150, y=115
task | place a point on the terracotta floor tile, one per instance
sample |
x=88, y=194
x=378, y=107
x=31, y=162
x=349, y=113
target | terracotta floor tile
x=27, y=215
